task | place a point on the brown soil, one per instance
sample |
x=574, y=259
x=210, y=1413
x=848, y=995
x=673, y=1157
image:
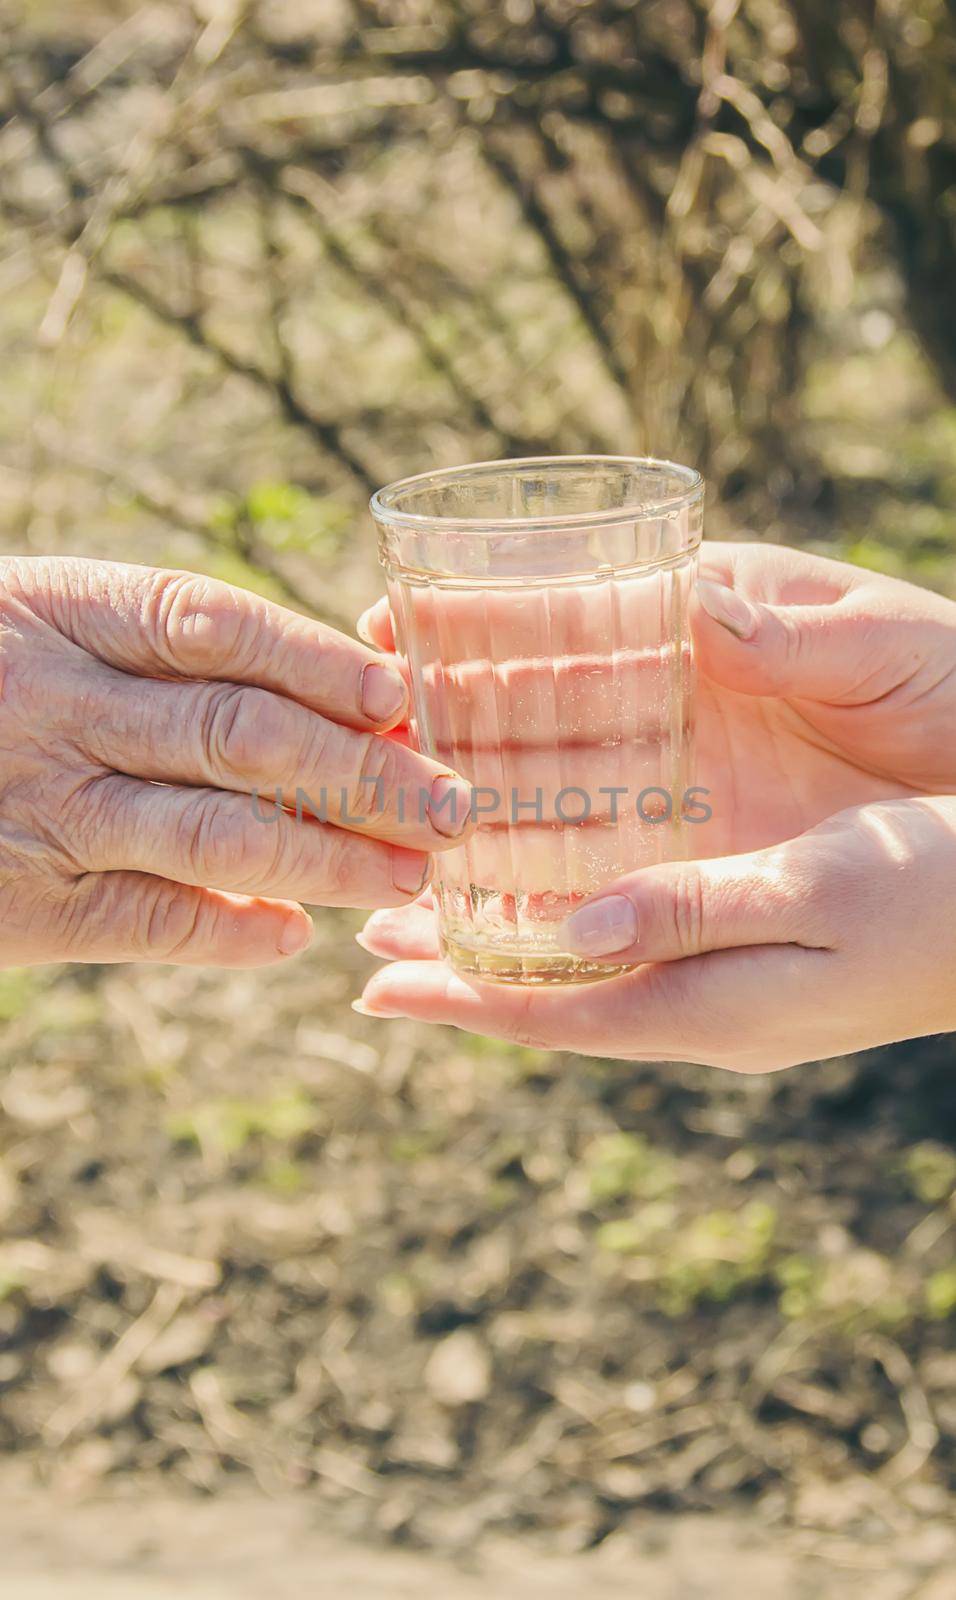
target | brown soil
x=248, y=1236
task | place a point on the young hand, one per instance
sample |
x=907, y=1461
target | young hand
x=827, y=705
x=839, y=940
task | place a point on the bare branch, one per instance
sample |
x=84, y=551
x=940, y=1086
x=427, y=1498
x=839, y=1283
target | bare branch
x=563, y=263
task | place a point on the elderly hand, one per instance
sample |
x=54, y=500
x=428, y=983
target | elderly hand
x=147, y=721
x=827, y=713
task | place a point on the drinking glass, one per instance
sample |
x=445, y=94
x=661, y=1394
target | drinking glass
x=541, y=608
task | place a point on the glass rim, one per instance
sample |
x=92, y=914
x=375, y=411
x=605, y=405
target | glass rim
x=668, y=505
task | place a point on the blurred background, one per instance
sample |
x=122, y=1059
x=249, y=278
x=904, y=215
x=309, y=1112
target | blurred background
x=257, y=257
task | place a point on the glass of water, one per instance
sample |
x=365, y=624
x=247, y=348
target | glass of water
x=541, y=608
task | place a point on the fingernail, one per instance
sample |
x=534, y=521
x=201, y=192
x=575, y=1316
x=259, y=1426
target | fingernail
x=449, y=805
x=728, y=608
x=365, y=1010
x=410, y=872
x=602, y=928
x=295, y=936
x=362, y=628
x=383, y=693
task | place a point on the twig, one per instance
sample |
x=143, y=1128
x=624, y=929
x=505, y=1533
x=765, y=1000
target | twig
x=80, y=234
x=304, y=188
x=923, y=1434
x=86, y=1403
x=562, y=262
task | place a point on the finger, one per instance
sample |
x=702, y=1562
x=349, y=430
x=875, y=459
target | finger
x=253, y=742
x=778, y=574
x=812, y=652
x=375, y=625
x=129, y=916
x=684, y=908
x=772, y=620
x=207, y=838
x=782, y=622
x=733, y=1009
x=577, y=1017
x=409, y=933
x=180, y=624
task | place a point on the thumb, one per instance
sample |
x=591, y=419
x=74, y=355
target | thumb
x=815, y=652
x=685, y=908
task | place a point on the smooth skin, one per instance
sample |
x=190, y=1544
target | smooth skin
x=820, y=915
x=148, y=721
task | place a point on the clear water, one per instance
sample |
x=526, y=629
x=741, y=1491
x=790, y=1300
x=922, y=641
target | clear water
x=547, y=696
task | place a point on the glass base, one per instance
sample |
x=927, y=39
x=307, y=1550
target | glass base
x=498, y=964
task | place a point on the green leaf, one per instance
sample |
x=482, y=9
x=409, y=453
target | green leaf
x=931, y=1171
x=288, y=518
x=17, y=988
x=940, y=1293
x=627, y=1164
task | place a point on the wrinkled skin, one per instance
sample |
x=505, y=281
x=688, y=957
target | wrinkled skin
x=147, y=720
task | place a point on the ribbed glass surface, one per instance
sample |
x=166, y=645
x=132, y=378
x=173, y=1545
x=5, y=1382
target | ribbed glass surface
x=559, y=682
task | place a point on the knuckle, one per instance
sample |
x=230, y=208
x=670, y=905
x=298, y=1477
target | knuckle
x=286, y=856
x=336, y=861
x=797, y=640
x=169, y=923
x=195, y=622
x=211, y=839
x=377, y=777
x=791, y=643
x=241, y=732
x=687, y=909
